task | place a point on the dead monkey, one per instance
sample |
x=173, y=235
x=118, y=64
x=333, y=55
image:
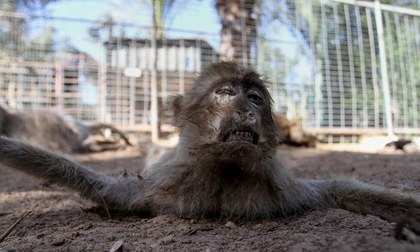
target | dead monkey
x=57, y=132
x=224, y=165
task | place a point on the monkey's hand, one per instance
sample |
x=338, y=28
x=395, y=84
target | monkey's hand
x=393, y=206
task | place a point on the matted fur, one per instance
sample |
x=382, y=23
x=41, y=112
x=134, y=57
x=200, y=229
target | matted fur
x=225, y=164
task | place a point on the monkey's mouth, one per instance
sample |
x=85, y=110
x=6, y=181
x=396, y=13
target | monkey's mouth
x=241, y=135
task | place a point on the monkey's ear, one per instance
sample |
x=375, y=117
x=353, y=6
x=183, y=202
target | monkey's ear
x=177, y=104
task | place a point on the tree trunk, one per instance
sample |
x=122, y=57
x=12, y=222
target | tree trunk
x=238, y=29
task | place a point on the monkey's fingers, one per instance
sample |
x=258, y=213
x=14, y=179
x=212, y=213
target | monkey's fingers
x=393, y=206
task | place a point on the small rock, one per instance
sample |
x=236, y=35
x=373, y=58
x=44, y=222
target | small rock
x=193, y=221
x=168, y=239
x=161, y=219
x=58, y=242
x=39, y=236
x=258, y=226
x=112, y=238
x=230, y=224
x=85, y=226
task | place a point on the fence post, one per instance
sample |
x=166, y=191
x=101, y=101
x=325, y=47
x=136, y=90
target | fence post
x=59, y=87
x=384, y=68
x=153, y=85
x=102, y=93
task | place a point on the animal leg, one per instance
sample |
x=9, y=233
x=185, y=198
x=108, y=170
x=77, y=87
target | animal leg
x=393, y=206
x=110, y=192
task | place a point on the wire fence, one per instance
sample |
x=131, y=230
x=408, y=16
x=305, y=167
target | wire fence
x=338, y=67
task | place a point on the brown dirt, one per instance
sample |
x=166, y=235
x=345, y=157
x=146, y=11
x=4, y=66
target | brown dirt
x=59, y=223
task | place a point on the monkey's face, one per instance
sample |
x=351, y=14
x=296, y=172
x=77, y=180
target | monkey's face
x=227, y=113
x=239, y=107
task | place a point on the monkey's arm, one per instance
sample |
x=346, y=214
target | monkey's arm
x=104, y=190
x=356, y=196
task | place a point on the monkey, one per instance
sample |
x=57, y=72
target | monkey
x=399, y=144
x=291, y=134
x=58, y=132
x=225, y=165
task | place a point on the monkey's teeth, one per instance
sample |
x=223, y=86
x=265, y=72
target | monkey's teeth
x=241, y=135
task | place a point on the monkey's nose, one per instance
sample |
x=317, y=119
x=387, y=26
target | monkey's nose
x=245, y=116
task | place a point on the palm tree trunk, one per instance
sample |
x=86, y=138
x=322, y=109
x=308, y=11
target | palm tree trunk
x=238, y=29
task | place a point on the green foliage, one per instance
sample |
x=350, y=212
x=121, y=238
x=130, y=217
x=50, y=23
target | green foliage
x=9, y=27
x=19, y=41
x=161, y=9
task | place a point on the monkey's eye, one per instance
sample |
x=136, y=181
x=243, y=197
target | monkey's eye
x=255, y=98
x=226, y=91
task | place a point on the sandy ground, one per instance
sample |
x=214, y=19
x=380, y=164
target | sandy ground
x=61, y=221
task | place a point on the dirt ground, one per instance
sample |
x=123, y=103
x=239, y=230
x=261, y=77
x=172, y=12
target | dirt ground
x=61, y=221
